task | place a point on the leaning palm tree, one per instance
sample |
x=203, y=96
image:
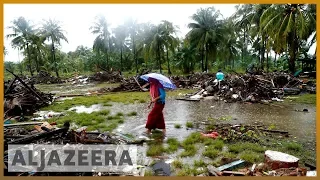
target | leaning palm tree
x=101, y=42
x=21, y=32
x=52, y=30
x=288, y=24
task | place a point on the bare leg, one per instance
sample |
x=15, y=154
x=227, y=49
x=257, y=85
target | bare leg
x=164, y=132
x=148, y=131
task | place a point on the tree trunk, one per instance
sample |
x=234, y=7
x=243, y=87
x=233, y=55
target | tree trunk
x=121, y=58
x=134, y=53
x=267, y=61
x=159, y=59
x=202, y=63
x=206, y=67
x=169, y=71
x=244, y=44
x=275, y=60
x=29, y=58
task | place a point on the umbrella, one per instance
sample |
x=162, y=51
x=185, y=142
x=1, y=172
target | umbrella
x=166, y=82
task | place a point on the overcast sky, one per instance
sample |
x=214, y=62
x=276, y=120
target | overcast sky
x=77, y=19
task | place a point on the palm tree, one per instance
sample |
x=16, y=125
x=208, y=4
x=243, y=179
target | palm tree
x=156, y=46
x=21, y=32
x=38, y=44
x=186, y=57
x=52, y=31
x=204, y=32
x=171, y=42
x=133, y=29
x=288, y=24
x=101, y=42
x=121, y=35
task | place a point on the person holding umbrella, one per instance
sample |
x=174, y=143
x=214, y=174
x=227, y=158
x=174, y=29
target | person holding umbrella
x=155, y=117
x=158, y=83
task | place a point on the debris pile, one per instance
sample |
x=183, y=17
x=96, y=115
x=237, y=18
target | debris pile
x=112, y=77
x=44, y=77
x=250, y=88
x=22, y=98
x=248, y=133
x=49, y=133
x=283, y=168
x=129, y=85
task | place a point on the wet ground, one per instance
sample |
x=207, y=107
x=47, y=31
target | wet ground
x=301, y=125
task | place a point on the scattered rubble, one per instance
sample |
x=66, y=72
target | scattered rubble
x=111, y=77
x=44, y=77
x=22, y=98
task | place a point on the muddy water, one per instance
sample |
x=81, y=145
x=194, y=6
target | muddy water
x=301, y=125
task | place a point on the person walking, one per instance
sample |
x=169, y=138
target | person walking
x=156, y=118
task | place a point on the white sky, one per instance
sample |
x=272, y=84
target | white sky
x=78, y=18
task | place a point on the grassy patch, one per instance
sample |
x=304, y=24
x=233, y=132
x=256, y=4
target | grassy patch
x=119, y=114
x=251, y=156
x=189, y=171
x=211, y=153
x=155, y=149
x=177, y=164
x=132, y=113
x=189, y=125
x=228, y=155
x=173, y=145
x=239, y=147
x=304, y=99
x=199, y=163
x=189, y=150
x=177, y=126
x=292, y=146
x=192, y=139
x=94, y=121
x=148, y=173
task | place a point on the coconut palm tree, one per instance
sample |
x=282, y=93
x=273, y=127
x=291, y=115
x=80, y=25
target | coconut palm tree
x=171, y=42
x=204, y=32
x=288, y=24
x=133, y=28
x=101, y=42
x=21, y=32
x=52, y=31
x=121, y=35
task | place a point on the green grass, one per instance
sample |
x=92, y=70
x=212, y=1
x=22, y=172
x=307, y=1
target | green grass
x=211, y=153
x=148, y=173
x=303, y=99
x=177, y=126
x=192, y=139
x=173, y=145
x=251, y=156
x=189, y=151
x=177, y=164
x=155, y=149
x=242, y=146
x=94, y=121
x=132, y=113
x=189, y=125
x=199, y=163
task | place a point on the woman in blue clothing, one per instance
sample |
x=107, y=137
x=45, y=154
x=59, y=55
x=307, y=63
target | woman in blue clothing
x=155, y=117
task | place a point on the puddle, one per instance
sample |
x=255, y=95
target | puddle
x=83, y=109
x=284, y=117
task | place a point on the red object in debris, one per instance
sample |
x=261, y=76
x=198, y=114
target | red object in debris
x=213, y=135
x=53, y=123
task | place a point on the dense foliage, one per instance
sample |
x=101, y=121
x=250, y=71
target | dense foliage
x=213, y=42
